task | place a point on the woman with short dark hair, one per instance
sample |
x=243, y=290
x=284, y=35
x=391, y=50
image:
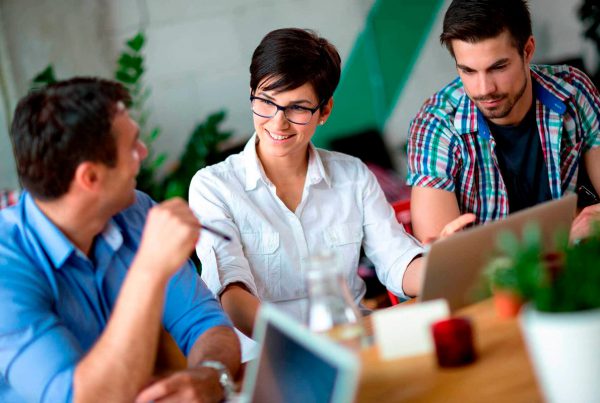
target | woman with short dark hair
x=283, y=200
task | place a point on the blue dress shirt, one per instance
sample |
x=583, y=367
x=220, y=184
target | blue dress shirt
x=55, y=301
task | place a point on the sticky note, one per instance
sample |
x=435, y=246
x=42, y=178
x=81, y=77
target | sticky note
x=404, y=331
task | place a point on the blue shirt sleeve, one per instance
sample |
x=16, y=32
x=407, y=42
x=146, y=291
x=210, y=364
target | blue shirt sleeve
x=38, y=354
x=190, y=308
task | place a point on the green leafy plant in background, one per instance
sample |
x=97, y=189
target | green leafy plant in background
x=129, y=72
x=566, y=280
x=202, y=148
x=44, y=78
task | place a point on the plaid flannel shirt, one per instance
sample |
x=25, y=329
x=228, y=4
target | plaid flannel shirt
x=451, y=148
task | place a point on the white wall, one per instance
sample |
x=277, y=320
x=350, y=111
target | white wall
x=66, y=33
x=8, y=175
x=198, y=52
x=558, y=35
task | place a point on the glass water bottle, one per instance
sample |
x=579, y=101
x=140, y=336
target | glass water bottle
x=331, y=308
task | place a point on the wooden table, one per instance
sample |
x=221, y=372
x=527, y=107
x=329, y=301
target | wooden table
x=502, y=372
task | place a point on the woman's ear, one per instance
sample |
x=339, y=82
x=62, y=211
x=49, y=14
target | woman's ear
x=325, y=111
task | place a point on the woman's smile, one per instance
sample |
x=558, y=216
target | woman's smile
x=279, y=137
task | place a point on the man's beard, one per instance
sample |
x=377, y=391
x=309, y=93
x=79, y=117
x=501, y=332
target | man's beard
x=505, y=108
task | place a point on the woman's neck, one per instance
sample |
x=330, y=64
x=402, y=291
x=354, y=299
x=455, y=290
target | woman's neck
x=288, y=174
x=281, y=170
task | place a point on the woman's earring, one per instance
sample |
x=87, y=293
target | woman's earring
x=321, y=122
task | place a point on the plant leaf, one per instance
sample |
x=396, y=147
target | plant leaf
x=137, y=42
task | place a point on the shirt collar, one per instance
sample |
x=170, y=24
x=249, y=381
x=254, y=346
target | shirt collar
x=54, y=242
x=253, y=167
x=112, y=235
x=254, y=170
x=56, y=245
x=551, y=91
x=316, y=169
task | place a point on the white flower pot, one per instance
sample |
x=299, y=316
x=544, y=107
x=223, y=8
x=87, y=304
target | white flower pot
x=565, y=352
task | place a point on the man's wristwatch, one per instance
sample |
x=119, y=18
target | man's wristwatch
x=225, y=378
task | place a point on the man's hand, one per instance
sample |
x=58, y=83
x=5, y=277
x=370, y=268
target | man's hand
x=582, y=224
x=198, y=385
x=457, y=224
x=454, y=226
x=170, y=235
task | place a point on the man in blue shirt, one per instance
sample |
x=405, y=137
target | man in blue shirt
x=91, y=271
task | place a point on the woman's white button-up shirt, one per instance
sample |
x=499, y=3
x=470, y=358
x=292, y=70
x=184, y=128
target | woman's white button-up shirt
x=342, y=208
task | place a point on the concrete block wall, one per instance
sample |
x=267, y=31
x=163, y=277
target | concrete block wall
x=34, y=33
x=197, y=52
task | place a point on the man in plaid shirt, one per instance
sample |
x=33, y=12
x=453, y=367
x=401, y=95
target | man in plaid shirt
x=505, y=135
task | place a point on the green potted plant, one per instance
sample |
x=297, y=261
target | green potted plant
x=502, y=279
x=561, y=321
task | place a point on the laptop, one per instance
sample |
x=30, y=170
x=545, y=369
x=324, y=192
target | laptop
x=296, y=365
x=454, y=265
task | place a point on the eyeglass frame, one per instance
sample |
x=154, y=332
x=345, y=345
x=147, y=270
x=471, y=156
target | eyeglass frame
x=284, y=108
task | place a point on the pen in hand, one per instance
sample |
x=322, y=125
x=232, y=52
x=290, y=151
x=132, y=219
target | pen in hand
x=216, y=232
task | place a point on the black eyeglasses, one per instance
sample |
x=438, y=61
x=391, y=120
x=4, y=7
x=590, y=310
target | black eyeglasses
x=300, y=115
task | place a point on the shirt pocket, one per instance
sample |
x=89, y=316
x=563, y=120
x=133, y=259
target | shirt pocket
x=343, y=234
x=345, y=240
x=263, y=254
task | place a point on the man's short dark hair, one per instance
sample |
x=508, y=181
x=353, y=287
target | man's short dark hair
x=476, y=20
x=293, y=57
x=60, y=126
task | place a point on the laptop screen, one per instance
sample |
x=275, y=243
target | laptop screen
x=295, y=365
x=288, y=372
